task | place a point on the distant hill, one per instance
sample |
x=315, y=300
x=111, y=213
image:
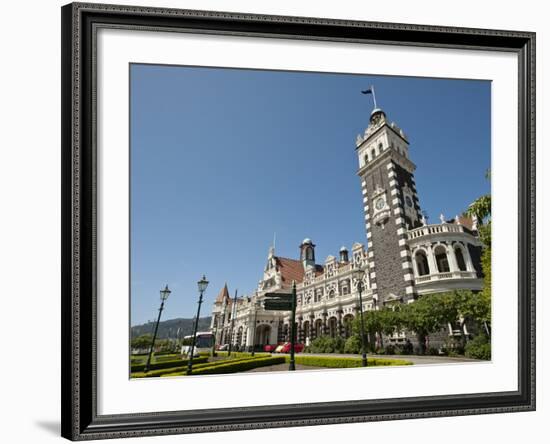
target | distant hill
x=169, y=328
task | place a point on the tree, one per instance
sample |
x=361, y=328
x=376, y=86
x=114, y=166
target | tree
x=474, y=306
x=428, y=314
x=481, y=208
x=142, y=342
x=377, y=322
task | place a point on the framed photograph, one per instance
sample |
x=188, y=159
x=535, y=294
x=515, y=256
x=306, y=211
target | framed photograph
x=281, y=221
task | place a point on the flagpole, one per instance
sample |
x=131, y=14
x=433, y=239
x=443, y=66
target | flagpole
x=373, y=96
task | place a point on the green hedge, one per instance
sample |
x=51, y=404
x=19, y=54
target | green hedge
x=234, y=366
x=170, y=357
x=242, y=354
x=180, y=370
x=174, y=363
x=173, y=372
x=137, y=359
x=344, y=362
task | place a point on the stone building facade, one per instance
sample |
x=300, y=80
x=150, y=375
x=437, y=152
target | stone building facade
x=404, y=257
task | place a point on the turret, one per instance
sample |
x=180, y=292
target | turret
x=307, y=253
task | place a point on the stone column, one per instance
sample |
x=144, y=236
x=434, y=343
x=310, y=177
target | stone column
x=453, y=265
x=300, y=333
x=341, y=331
x=312, y=327
x=431, y=260
x=325, y=326
x=468, y=259
x=280, y=331
x=414, y=264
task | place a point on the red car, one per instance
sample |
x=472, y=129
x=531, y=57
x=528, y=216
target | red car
x=298, y=348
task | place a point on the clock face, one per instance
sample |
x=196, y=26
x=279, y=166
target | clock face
x=380, y=203
x=408, y=201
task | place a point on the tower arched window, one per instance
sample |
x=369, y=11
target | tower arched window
x=309, y=254
x=441, y=259
x=380, y=148
x=366, y=158
x=460, y=259
x=422, y=263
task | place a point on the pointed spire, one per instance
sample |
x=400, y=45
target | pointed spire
x=272, y=248
x=223, y=295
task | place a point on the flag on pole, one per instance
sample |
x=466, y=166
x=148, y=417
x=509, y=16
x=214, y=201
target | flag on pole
x=371, y=91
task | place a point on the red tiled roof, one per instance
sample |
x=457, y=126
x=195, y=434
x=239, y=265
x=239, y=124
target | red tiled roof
x=223, y=295
x=290, y=269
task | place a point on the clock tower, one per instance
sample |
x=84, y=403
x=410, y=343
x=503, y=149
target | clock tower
x=391, y=208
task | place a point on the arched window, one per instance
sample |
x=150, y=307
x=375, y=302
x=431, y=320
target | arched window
x=460, y=259
x=331, y=294
x=422, y=263
x=441, y=259
x=309, y=254
x=373, y=153
x=367, y=158
x=319, y=327
x=379, y=148
x=305, y=328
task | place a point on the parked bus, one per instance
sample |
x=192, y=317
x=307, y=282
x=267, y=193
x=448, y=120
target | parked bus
x=203, y=343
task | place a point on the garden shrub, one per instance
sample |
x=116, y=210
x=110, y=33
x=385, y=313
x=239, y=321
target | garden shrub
x=479, y=348
x=327, y=344
x=344, y=362
x=353, y=345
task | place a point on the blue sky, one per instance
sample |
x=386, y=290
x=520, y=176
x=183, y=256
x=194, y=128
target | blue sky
x=221, y=159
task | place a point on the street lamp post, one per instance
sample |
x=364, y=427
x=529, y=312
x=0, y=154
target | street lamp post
x=233, y=314
x=163, y=296
x=202, y=284
x=215, y=332
x=292, y=364
x=358, y=275
x=256, y=306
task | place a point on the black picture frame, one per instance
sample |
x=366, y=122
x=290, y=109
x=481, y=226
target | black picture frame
x=80, y=420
